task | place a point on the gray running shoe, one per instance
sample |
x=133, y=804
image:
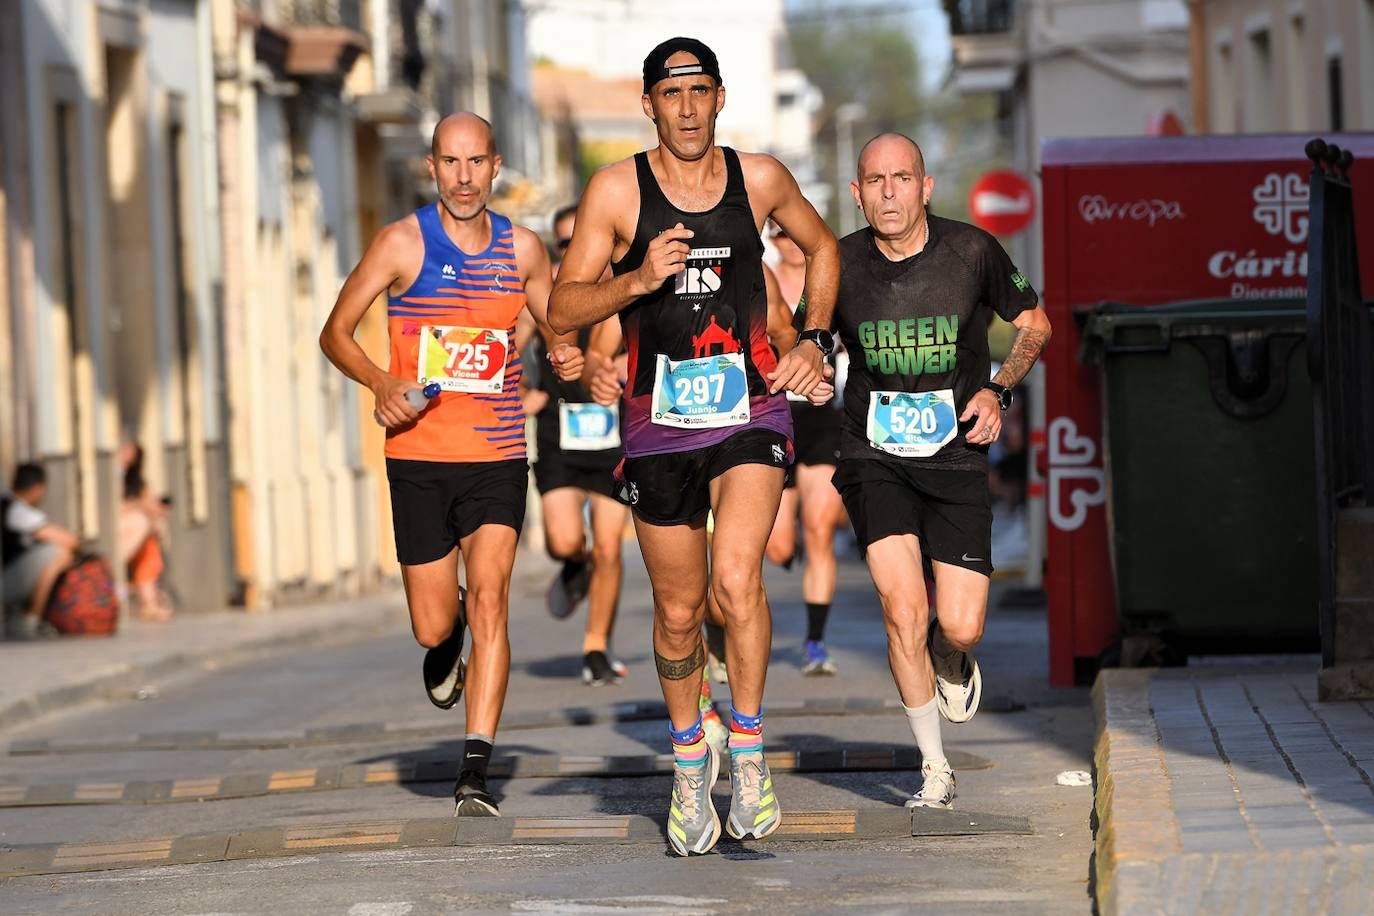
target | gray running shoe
x=958, y=682
x=693, y=825
x=937, y=787
x=754, y=810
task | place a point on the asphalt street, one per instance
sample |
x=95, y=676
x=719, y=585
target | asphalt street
x=310, y=744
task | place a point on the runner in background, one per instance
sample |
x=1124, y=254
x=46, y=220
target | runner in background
x=578, y=442
x=816, y=439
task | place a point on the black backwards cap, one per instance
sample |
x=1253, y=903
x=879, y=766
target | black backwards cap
x=656, y=64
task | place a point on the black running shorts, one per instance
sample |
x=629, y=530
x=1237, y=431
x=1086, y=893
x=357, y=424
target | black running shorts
x=675, y=488
x=816, y=434
x=950, y=511
x=553, y=473
x=435, y=504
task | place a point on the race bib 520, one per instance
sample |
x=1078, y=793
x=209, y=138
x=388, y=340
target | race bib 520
x=912, y=424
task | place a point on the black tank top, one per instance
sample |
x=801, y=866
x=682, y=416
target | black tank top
x=547, y=426
x=717, y=305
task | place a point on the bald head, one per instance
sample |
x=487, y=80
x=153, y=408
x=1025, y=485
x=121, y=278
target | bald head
x=889, y=145
x=463, y=128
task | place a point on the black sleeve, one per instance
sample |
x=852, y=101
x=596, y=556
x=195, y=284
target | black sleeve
x=1005, y=289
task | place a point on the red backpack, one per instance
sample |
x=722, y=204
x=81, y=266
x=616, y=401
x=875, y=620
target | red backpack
x=84, y=601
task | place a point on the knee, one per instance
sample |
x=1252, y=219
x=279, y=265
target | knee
x=430, y=631
x=962, y=633
x=487, y=605
x=906, y=622
x=563, y=544
x=736, y=587
x=781, y=548
x=606, y=553
x=678, y=621
x=820, y=530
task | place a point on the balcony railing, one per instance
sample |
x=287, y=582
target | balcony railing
x=346, y=13
x=979, y=17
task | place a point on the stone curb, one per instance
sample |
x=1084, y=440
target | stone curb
x=1137, y=827
x=132, y=675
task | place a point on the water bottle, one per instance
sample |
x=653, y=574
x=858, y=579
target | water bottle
x=418, y=398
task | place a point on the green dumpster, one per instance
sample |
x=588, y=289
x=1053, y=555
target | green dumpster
x=1207, y=432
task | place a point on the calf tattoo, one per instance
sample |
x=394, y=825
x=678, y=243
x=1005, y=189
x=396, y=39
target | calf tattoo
x=677, y=669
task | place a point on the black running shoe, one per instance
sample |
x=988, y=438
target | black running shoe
x=471, y=798
x=568, y=588
x=597, y=670
x=444, y=669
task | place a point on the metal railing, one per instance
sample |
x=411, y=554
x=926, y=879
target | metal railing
x=347, y=13
x=979, y=17
x=1340, y=361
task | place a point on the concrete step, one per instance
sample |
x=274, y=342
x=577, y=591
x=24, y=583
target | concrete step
x=1355, y=553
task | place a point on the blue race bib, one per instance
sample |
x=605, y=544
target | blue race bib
x=702, y=393
x=912, y=425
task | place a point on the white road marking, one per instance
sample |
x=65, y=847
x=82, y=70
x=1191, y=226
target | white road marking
x=391, y=908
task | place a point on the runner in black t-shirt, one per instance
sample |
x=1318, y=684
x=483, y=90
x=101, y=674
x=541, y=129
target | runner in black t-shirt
x=579, y=446
x=705, y=421
x=916, y=294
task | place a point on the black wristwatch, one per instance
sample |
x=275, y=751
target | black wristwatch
x=1003, y=394
x=823, y=339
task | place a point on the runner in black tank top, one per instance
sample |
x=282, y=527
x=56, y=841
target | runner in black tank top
x=810, y=493
x=578, y=444
x=716, y=305
x=705, y=422
x=916, y=295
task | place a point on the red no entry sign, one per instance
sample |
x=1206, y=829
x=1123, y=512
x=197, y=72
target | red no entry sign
x=1002, y=202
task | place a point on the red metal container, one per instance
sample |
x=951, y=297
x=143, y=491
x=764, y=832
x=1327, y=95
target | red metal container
x=1148, y=221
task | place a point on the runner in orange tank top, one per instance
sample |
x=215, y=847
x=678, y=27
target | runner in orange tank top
x=457, y=277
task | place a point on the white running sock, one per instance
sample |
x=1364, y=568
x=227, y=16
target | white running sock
x=925, y=727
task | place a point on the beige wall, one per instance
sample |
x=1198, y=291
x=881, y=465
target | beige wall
x=1268, y=64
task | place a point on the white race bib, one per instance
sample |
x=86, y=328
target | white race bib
x=702, y=393
x=912, y=424
x=462, y=359
x=588, y=427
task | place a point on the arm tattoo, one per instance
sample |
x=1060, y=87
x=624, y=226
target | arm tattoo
x=1025, y=349
x=678, y=669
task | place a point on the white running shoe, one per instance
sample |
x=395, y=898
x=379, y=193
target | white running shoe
x=937, y=787
x=958, y=682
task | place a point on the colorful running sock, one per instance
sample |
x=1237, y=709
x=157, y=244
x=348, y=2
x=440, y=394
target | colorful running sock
x=746, y=732
x=477, y=754
x=925, y=728
x=689, y=745
x=816, y=615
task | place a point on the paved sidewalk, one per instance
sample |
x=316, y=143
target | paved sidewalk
x=1232, y=790
x=39, y=677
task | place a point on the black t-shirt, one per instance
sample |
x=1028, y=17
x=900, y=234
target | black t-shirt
x=921, y=324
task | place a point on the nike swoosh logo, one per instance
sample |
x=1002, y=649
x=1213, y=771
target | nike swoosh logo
x=969, y=559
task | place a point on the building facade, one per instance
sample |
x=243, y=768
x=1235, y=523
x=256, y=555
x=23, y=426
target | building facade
x=1264, y=66
x=112, y=270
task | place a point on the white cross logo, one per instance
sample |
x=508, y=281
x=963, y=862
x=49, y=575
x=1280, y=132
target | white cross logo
x=1281, y=203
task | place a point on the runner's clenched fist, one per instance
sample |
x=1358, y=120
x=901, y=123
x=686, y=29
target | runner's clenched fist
x=666, y=256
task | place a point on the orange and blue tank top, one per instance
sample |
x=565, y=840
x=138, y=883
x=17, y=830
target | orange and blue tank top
x=456, y=325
